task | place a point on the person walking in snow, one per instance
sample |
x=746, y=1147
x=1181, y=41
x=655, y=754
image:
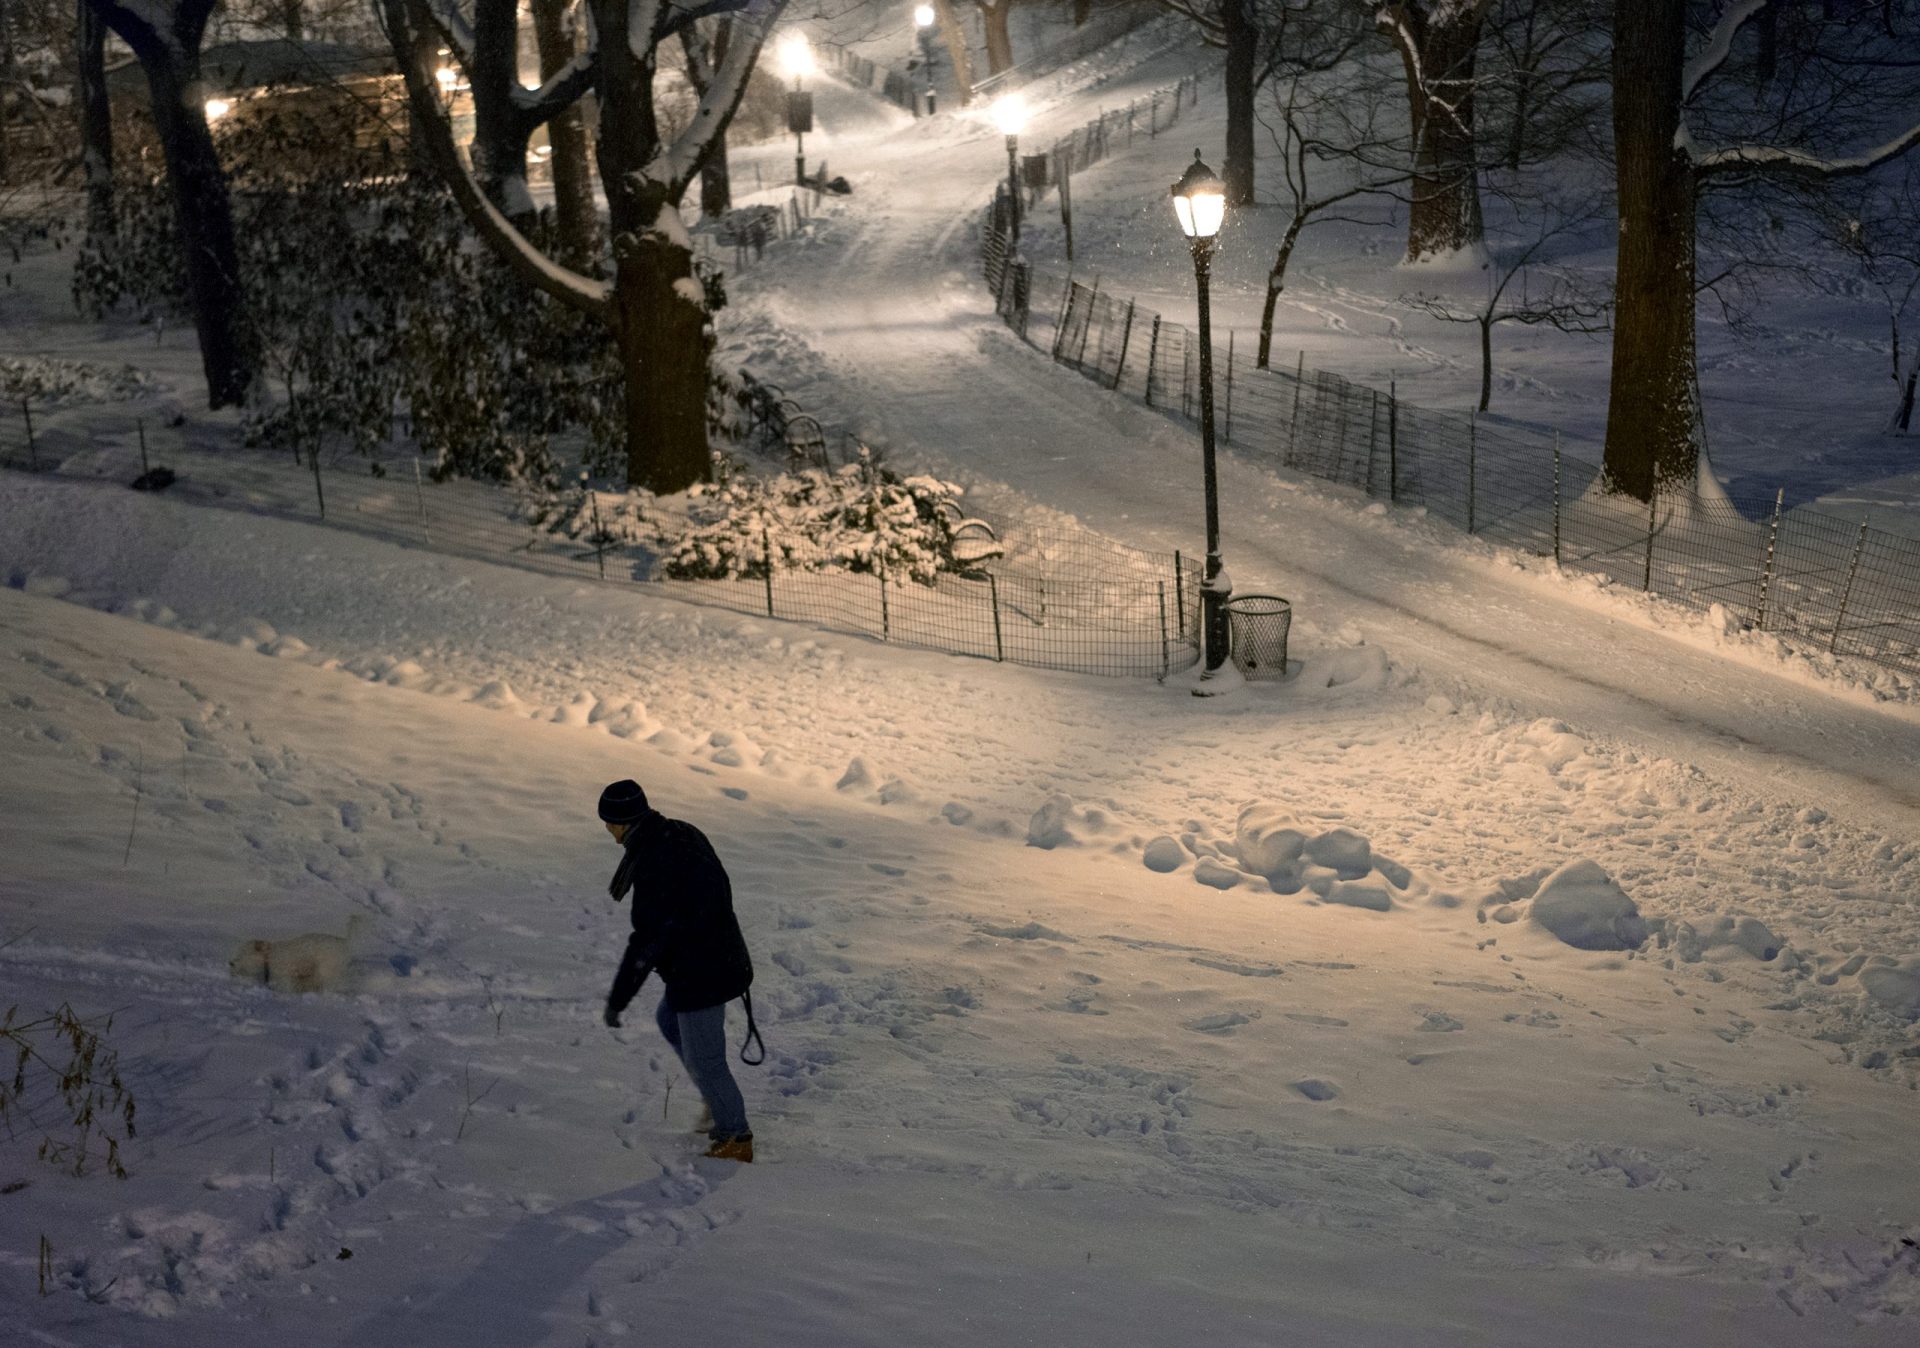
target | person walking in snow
x=684, y=927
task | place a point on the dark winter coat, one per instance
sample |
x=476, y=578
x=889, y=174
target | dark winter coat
x=683, y=922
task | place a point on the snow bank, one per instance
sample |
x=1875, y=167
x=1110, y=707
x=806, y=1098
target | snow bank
x=1582, y=906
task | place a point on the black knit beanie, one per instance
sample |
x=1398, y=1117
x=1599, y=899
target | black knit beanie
x=623, y=802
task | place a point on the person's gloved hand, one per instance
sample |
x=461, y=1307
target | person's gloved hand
x=611, y=1017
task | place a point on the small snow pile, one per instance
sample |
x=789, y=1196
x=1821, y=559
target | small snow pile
x=1048, y=828
x=1582, y=906
x=1361, y=668
x=1337, y=865
x=1727, y=936
x=1894, y=986
x=45, y=381
x=1164, y=855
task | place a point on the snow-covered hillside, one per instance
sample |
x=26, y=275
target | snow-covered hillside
x=1535, y=966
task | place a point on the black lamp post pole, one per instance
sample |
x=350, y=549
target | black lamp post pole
x=926, y=65
x=1214, y=588
x=799, y=149
x=1013, y=187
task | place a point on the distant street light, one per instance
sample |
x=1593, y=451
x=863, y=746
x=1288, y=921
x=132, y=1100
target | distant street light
x=1010, y=115
x=1200, y=204
x=218, y=108
x=796, y=58
x=923, y=19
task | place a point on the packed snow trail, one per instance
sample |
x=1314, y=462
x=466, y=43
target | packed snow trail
x=905, y=347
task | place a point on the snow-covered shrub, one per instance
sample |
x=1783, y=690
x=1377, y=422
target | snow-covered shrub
x=859, y=517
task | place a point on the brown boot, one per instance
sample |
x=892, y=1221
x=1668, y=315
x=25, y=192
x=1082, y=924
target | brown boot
x=732, y=1148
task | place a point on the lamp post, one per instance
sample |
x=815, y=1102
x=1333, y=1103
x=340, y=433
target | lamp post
x=1200, y=204
x=923, y=20
x=796, y=58
x=1010, y=115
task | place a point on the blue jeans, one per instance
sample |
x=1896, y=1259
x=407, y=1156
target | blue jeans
x=700, y=1039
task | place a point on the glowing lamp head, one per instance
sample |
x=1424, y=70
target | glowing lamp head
x=924, y=17
x=1200, y=201
x=218, y=108
x=448, y=77
x=796, y=55
x=1010, y=114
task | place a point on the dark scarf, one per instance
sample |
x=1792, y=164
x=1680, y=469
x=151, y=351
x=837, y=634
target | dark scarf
x=643, y=830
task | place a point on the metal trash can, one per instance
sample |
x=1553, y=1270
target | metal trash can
x=1259, y=624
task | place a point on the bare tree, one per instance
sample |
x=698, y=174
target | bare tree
x=704, y=51
x=959, y=50
x=575, y=216
x=1438, y=42
x=994, y=16
x=1850, y=81
x=1332, y=127
x=166, y=35
x=654, y=305
x=96, y=118
x=1565, y=303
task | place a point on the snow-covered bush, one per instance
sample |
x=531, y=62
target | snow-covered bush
x=859, y=517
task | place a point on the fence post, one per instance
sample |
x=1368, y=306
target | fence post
x=1766, y=570
x=1556, y=498
x=140, y=425
x=1653, y=509
x=993, y=589
x=1153, y=116
x=1166, y=660
x=1293, y=423
x=1179, y=592
x=599, y=535
x=766, y=543
x=1373, y=434
x=1153, y=355
x=1473, y=466
x=1393, y=442
x=1126, y=334
x=1086, y=328
x=1853, y=569
x=33, y=454
x=1229, y=434
x=420, y=501
x=886, y=616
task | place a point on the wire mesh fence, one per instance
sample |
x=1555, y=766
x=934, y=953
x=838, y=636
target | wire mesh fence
x=1850, y=588
x=892, y=84
x=1115, y=21
x=1053, y=598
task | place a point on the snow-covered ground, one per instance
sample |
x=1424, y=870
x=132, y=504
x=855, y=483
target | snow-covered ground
x=1096, y=1012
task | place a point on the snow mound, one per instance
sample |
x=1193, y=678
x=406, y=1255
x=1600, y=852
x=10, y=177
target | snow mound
x=1894, y=986
x=1215, y=875
x=1048, y=827
x=1729, y=935
x=1270, y=839
x=1362, y=668
x=1582, y=906
x=1164, y=854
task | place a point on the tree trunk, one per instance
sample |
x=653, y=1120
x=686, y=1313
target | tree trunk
x=1445, y=213
x=1276, y=282
x=993, y=18
x=664, y=346
x=1243, y=40
x=423, y=53
x=660, y=318
x=575, y=216
x=500, y=133
x=7, y=78
x=954, y=34
x=716, y=182
x=1903, y=418
x=204, y=217
x=1652, y=407
x=1082, y=11
x=96, y=121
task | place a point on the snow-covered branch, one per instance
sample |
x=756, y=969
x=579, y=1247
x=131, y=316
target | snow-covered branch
x=430, y=123
x=1718, y=47
x=1785, y=159
x=692, y=147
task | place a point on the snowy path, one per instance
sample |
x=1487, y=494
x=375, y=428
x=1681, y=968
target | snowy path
x=914, y=352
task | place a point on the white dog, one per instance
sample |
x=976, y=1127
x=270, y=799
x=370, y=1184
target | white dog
x=311, y=962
